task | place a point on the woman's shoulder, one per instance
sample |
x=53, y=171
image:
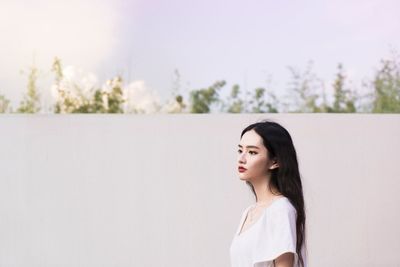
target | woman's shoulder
x=282, y=204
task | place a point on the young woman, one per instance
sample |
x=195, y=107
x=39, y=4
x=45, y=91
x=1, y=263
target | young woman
x=272, y=230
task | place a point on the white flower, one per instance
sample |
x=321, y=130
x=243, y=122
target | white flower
x=172, y=107
x=140, y=98
x=77, y=82
x=110, y=84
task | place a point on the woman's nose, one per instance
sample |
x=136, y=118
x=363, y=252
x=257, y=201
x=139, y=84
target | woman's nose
x=242, y=158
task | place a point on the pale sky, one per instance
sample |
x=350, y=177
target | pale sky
x=244, y=42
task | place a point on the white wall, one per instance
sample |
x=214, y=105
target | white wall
x=162, y=190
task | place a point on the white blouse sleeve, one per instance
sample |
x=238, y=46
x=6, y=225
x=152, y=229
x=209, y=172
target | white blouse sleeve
x=276, y=237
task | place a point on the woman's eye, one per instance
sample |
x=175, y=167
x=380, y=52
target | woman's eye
x=254, y=153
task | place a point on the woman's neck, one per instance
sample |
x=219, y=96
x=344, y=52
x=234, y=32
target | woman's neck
x=264, y=194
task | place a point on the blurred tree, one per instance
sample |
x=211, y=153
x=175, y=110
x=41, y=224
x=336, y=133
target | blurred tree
x=71, y=98
x=344, y=99
x=114, y=100
x=4, y=105
x=303, y=91
x=76, y=97
x=64, y=102
x=233, y=104
x=103, y=101
x=31, y=101
x=176, y=83
x=259, y=103
x=202, y=99
x=386, y=87
x=57, y=69
x=176, y=104
x=99, y=105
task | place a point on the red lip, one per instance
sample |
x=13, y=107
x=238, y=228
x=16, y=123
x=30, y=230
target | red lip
x=241, y=169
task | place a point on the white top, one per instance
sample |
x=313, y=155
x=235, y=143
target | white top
x=273, y=234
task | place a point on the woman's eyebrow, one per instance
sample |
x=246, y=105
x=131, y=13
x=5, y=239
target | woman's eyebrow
x=250, y=146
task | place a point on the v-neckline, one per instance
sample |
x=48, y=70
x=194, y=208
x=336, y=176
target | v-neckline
x=264, y=211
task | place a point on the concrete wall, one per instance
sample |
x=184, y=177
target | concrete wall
x=162, y=190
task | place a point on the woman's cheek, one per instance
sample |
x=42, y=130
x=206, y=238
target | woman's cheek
x=260, y=167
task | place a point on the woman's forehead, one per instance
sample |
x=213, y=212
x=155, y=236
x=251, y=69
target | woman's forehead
x=251, y=138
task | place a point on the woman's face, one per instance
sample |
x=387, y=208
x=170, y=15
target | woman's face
x=252, y=155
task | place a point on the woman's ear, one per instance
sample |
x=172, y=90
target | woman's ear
x=274, y=166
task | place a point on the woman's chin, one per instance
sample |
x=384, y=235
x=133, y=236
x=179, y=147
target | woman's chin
x=242, y=177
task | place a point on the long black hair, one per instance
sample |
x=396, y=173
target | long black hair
x=286, y=178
